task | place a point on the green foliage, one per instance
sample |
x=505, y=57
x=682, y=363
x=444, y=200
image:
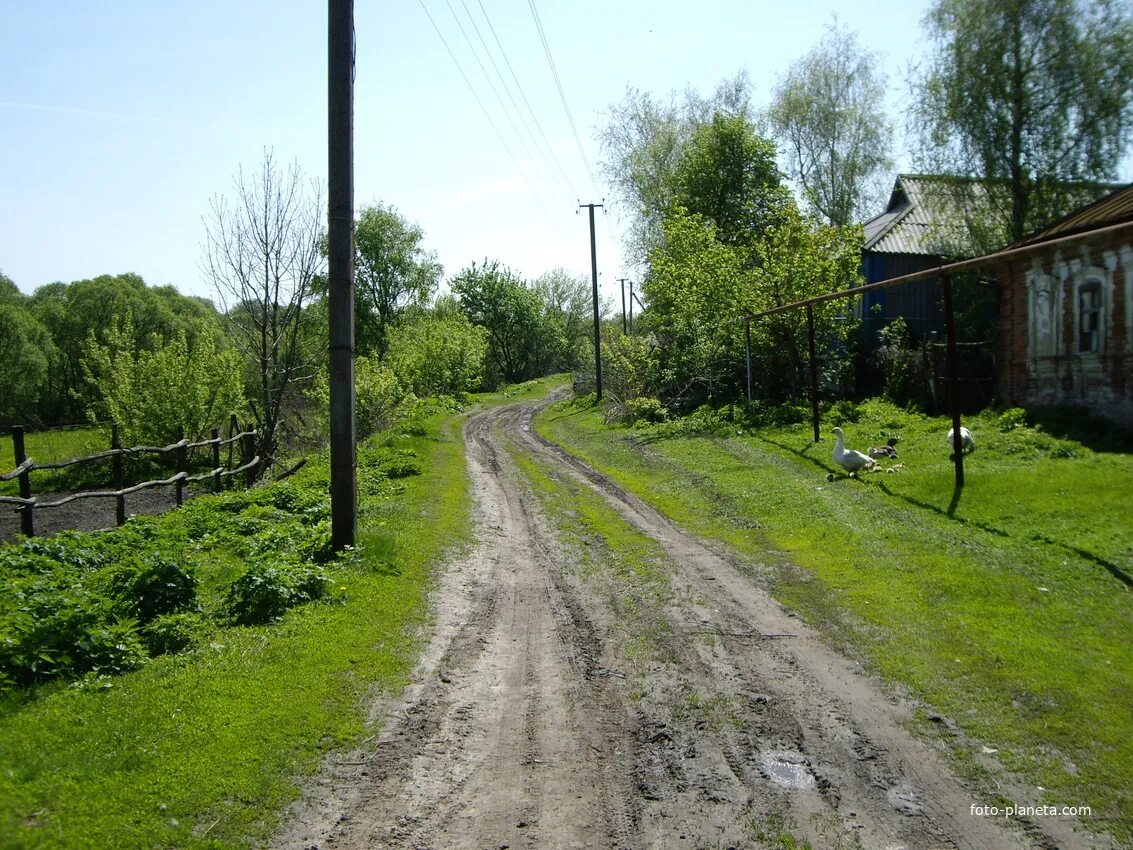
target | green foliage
x=26, y=351
x=700, y=289
x=201, y=748
x=644, y=140
x=71, y=312
x=171, y=633
x=1034, y=95
x=392, y=273
x=152, y=586
x=436, y=356
x=99, y=602
x=496, y=299
x=829, y=113
x=160, y=391
x=73, y=604
x=904, y=365
x=568, y=325
x=727, y=174
x=628, y=366
x=645, y=409
x=265, y=593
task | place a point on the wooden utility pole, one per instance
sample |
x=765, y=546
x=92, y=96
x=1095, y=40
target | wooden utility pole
x=631, y=297
x=340, y=270
x=597, y=326
x=625, y=324
x=953, y=378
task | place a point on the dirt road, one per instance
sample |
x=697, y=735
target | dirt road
x=539, y=717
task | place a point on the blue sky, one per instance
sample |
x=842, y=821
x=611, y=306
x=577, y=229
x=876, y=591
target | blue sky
x=120, y=120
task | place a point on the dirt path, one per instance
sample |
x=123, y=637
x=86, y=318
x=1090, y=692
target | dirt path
x=523, y=728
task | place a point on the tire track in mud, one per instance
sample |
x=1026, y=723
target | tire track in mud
x=503, y=737
x=519, y=730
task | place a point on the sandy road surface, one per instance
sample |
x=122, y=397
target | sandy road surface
x=522, y=727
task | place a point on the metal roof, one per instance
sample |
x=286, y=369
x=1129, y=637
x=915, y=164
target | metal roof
x=1112, y=209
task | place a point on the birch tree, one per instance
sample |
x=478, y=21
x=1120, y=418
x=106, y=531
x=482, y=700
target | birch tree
x=828, y=114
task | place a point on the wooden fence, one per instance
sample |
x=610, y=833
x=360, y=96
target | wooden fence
x=26, y=504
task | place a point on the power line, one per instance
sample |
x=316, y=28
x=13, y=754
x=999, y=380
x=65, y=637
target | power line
x=484, y=109
x=491, y=85
x=562, y=94
x=526, y=102
x=511, y=98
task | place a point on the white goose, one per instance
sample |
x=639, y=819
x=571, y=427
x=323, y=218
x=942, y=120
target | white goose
x=966, y=442
x=850, y=460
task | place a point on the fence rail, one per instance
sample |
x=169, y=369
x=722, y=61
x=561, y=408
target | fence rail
x=26, y=504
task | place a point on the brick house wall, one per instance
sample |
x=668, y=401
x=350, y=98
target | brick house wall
x=1066, y=316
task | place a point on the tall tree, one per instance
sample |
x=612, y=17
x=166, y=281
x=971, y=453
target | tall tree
x=568, y=322
x=497, y=299
x=1033, y=94
x=727, y=173
x=26, y=350
x=828, y=113
x=391, y=273
x=644, y=140
x=262, y=254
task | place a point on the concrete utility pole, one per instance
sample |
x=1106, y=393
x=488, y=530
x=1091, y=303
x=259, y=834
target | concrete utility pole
x=340, y=270
x=597, y=327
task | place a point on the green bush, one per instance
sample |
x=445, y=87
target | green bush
x=265, y=593
x=438, y=355
x=645, y=409
x=152, y=586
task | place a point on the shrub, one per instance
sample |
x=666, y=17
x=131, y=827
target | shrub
x=438, y=355
x=152, y=586
x=111, y=647
x=645, y=409
x=265, y=593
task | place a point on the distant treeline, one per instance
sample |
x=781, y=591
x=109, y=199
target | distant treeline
x=42, y=336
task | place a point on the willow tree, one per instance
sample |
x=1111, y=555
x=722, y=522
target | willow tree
x=828, y=114
x=1036, y=95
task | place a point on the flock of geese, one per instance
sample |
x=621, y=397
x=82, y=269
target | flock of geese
x=854, y=461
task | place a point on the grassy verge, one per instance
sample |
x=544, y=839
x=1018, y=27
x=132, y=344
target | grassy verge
x=201, y=748
x=1005, y=605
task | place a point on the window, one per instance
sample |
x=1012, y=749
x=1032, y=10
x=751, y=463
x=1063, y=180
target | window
x=1089, y=318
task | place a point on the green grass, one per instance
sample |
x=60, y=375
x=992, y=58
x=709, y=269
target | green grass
x=203, y=748
x=1004, y=605
x=51, y=447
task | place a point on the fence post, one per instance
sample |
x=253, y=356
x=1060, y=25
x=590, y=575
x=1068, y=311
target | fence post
x=953, y=378
x=249, y=453
x=216, y=480
x=27, y=520
x=813, y=369
x=179, y=454
x=233, y=430
x=119, y=475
